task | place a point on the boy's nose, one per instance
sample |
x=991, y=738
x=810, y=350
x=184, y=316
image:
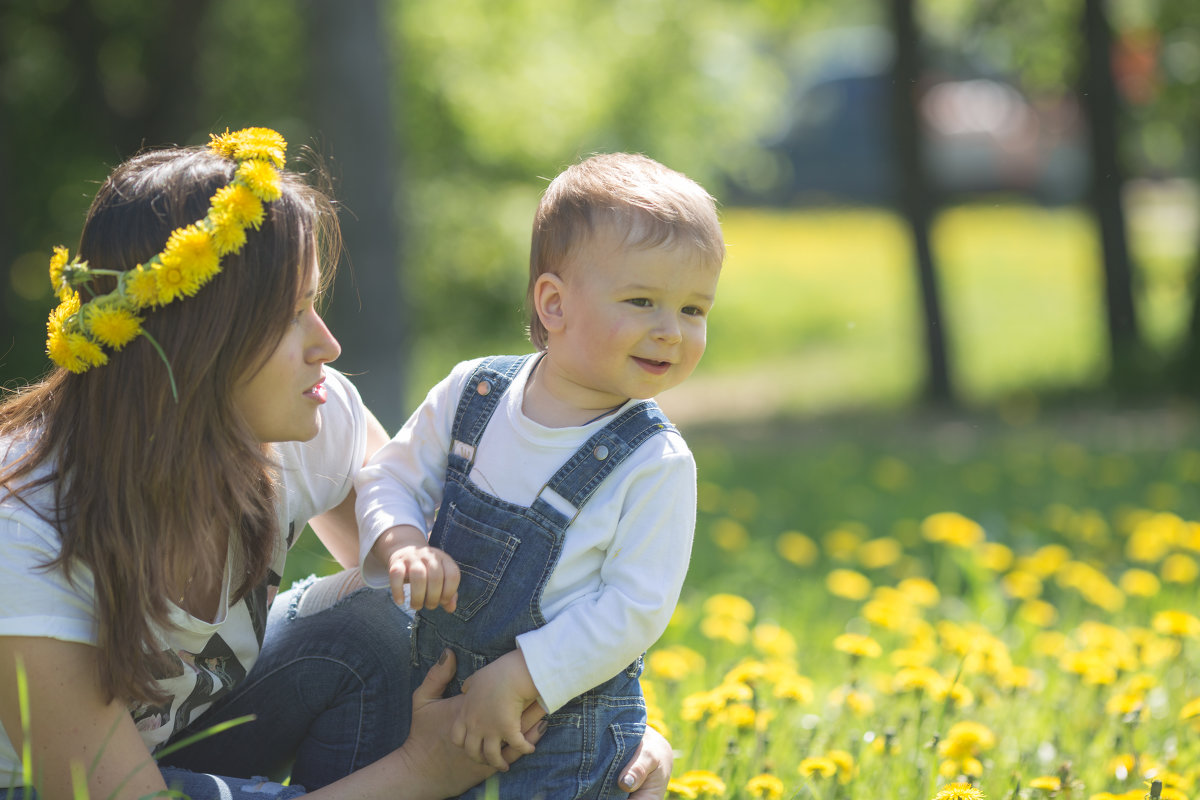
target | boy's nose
x=667, y=329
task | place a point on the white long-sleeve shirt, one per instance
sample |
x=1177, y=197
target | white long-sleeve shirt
x=624, y=557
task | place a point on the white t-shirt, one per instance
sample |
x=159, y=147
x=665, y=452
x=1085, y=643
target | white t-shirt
x=624, y=557
x=211, y=657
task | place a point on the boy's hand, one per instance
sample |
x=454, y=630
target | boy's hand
x=490, y=718
x=431, y=575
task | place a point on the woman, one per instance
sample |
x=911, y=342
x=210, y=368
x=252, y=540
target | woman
x=151, y=487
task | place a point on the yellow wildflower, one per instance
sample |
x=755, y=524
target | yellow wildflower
x=794, y=687
x=113, y=324
x=239, y=205
x=1179, y=568
x=1046, y=560
x=189, y=260
x=676, y=788
x=729, y=605
x=749, y=672
x=921, y=591
x=726, y=628
x=844, y=762
x=262, y=179
x=668, y=665
x=879, y=553
x=1048, y=783
x=1021, y=585
x=57, y=261
x=704, y=782
x=729, y=535
x=260, y=143
x=818, y=767
x=959, y=791
x=1176, y=623
x=85, y=353
x=952, y=528
x=1038, y=612
x=772, y=640
x=1154, y=536
x=1139, y=583
x=141, y=286
x=967, y=738
x=841, y=542
x=925, y=680
x=848, y=584
x=994, y=556
x=797, y=548
x=855, y=644
x=1190, y=711
x=765, y=787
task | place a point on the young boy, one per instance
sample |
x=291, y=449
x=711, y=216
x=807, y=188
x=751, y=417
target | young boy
x=562, y=500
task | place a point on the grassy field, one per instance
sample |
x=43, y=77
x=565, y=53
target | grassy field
x=891, y=603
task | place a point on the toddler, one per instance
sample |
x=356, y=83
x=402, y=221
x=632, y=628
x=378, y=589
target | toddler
x=561, y=499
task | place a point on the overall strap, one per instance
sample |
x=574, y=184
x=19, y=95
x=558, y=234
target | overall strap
x=480, y=396
x=579, y=478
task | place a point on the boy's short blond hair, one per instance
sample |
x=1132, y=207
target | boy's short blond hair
x=652, y=205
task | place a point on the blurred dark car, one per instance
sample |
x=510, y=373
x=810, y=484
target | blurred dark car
x=981, y=134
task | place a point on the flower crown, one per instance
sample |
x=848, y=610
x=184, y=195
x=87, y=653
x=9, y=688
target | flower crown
x=79, y=331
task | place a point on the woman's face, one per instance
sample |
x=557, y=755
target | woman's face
x=281, y=401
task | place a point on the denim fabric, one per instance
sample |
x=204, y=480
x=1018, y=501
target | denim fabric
x=330, y=692
x=198, y=786
x=505, y=554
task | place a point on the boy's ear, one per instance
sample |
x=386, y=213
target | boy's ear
x=548, y=301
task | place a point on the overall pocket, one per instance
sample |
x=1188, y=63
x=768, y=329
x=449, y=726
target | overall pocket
x=482, y=553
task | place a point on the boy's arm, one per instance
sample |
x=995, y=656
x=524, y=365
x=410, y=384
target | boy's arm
x=431, y=575
x=598, y=635
x=402, y=483
x=490, y=716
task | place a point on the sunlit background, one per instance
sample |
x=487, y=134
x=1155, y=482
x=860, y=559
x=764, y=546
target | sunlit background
x=955, y=346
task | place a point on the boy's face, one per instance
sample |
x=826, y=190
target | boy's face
x=633, y=319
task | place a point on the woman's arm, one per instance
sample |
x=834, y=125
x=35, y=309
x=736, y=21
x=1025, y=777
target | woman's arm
x=71, y=723
x=337, y=528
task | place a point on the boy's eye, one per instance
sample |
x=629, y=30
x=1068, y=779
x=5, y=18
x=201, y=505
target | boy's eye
x=693, y=311
x=640, y=302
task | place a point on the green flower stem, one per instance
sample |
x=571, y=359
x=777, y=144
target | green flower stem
x=163, y=356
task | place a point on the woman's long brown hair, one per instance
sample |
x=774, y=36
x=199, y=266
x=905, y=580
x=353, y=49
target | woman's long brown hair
x=148, y=489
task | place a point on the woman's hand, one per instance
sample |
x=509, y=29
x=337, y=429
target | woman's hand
x=649, y=771
x=429, y=737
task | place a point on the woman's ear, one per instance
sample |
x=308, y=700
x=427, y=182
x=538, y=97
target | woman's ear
x=548, y=292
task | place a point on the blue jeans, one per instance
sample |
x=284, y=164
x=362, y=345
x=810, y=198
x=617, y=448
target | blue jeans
x=331, y=694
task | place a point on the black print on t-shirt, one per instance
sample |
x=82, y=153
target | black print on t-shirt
x=217, y=670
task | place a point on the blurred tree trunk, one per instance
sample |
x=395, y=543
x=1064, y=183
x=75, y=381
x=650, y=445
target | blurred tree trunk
x=914, y=192
x=352, y=79
x=1100, y=105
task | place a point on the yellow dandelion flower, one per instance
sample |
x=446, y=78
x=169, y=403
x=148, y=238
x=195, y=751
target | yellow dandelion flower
x=738, y=715
x=260, y=178
x=674, y=663
x=112, y=324
x=189, y=261
x=59, y=350
x=1139, y=583
x=1173, y=622
x=859, y=702
x=140, y=286
x=85, y=353
x=1179, y=568
x=675, y=788
x=698, y=705
x=794, y=687
x=730, y=535
x=841, y=543
x=952, y=528
x=57, y=262
x=1154, y=536
x=1046, y=560
x=921, y=591
x=890, y=615
x=855, y=644
x=704, y=782
x=844, y=762
x=765, y=787
x=797, y=548
x=261, y=143
x=772, y=640
x=925, y=680
x=879, y=553
x=1038, y=613
x=748, y=672
x=994, y=556
x=817, y=767
x=968, y=766
x=1021, y=585
x=1048, y=783
x=240, y=204
x=1190, y=710
x=967, y=738
x=728, y=629
x=959, y=791
x=731, y=606
x=848, y=584
x=1017, y=677
x=1125, y=703
x=227, y=235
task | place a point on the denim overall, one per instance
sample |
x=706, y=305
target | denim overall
x=505, y=554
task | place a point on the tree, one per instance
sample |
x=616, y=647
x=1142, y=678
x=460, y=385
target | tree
x=352, y=79
x=914, y=192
